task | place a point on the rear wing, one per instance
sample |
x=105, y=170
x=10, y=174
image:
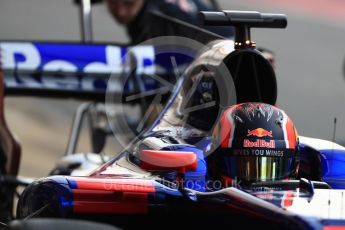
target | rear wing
x=81, y=71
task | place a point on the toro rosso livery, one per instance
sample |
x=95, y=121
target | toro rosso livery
x=220, y=154
x=273, y=181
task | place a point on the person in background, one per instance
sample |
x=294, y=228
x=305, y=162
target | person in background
x=134, y=15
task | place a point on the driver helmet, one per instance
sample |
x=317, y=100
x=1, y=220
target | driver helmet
x=254, y=142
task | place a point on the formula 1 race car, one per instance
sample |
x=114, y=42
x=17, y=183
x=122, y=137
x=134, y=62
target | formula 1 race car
x=219, y=154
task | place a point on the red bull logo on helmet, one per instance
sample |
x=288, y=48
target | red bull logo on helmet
x=259, y=144
x=259, y=132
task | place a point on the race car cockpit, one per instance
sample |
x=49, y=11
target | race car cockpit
x=225, y=75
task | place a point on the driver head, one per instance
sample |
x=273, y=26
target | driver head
x=125, y=11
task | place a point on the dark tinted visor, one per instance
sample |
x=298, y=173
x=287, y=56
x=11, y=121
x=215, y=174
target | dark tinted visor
x=255, y=168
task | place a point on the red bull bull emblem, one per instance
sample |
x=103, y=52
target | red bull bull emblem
x=259, y=132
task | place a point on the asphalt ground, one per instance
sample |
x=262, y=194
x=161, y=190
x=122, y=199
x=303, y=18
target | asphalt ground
x=309, y=64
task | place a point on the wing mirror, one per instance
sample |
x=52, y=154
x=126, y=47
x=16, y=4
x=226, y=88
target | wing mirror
x=180, y=161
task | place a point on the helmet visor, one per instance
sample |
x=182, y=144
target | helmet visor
x=254, y=169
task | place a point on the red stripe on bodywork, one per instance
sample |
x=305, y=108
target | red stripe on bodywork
x=120, y=185
x=109, y=202
x=334, y=227
x=288, y=199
